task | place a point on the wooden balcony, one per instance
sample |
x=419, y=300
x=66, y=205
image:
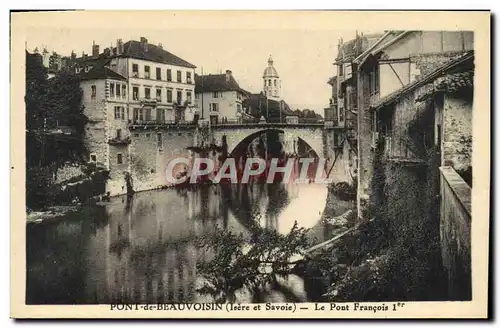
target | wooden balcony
x=148, y=101
x=119, y=141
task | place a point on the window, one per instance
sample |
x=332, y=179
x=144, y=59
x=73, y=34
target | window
x=160, y=115
x=169, y=95
x=158, y=73
x=118, y=133
x=135, y=70
x=93, y=92
x=179, y=97
x=136, y=135
x=238, y=107
x=373, y=80
x=146, y=72
x=135, y=93
x=374, y=121
x=148, y=135
x=119, y=113
x=188, y=77
x=112, y=89
x=215, y=94
x=160, y=141
x=179, y=76
x=341, y=70
x=147, y=93
x=147, y=114
x=138, y=114
x=214, y=107
x=169, y=75
x=124, y=91
x=118, y=91
x=93, y=158
x=188, y=97
x=274, y=82
x=119, y=158
x=158, y=94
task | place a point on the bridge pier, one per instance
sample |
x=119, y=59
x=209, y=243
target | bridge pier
x=289, y=143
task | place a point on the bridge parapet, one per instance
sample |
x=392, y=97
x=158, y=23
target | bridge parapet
x=266, y=125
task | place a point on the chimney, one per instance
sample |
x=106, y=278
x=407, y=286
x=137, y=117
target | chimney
x=160, y=45
x=107, y=52
x=119, y=46
x=228, y=75
x=73, y=55
x=144, y=44
x=95, y=49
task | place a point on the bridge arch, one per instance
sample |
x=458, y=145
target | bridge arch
x=238, y=137
x=243, y=144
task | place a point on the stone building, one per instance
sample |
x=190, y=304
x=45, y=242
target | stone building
x=415, y=98
x=219, y=98
x=397, y=59
x=107, y=136
x=340, y=115
x=136, y=94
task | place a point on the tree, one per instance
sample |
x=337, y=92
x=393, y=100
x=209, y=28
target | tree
x=36, y=91
x=65, y=109
x=251, y=262
x=50, y=103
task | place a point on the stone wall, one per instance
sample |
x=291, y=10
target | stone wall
x=455, y=233
x=457, y=132
x=116, y=184
x=68, y=172
x=96, y=111
x=343, y=170
x=365, y=152
x=149, y=157
x=428, y=62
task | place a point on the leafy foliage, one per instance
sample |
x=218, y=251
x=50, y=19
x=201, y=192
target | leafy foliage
x=252, y=262
x=395, y=255
x=52, y=105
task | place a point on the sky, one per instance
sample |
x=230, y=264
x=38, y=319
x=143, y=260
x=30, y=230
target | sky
x=303, y=57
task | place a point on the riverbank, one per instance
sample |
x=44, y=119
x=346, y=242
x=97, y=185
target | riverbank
x=51, y=213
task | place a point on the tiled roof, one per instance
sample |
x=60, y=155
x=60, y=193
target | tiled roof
x=102, y=72
x=216, y=82
x=134, y=49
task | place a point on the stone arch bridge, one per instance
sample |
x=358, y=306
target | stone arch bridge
x=313, y=134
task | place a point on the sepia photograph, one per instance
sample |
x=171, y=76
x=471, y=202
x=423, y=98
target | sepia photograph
x=199, y=168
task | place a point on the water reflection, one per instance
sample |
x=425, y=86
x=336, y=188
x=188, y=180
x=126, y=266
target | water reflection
x=144, y=250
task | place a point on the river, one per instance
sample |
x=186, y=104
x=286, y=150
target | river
x=143, y=250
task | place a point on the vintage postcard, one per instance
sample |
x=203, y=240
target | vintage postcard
x=250, y=164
